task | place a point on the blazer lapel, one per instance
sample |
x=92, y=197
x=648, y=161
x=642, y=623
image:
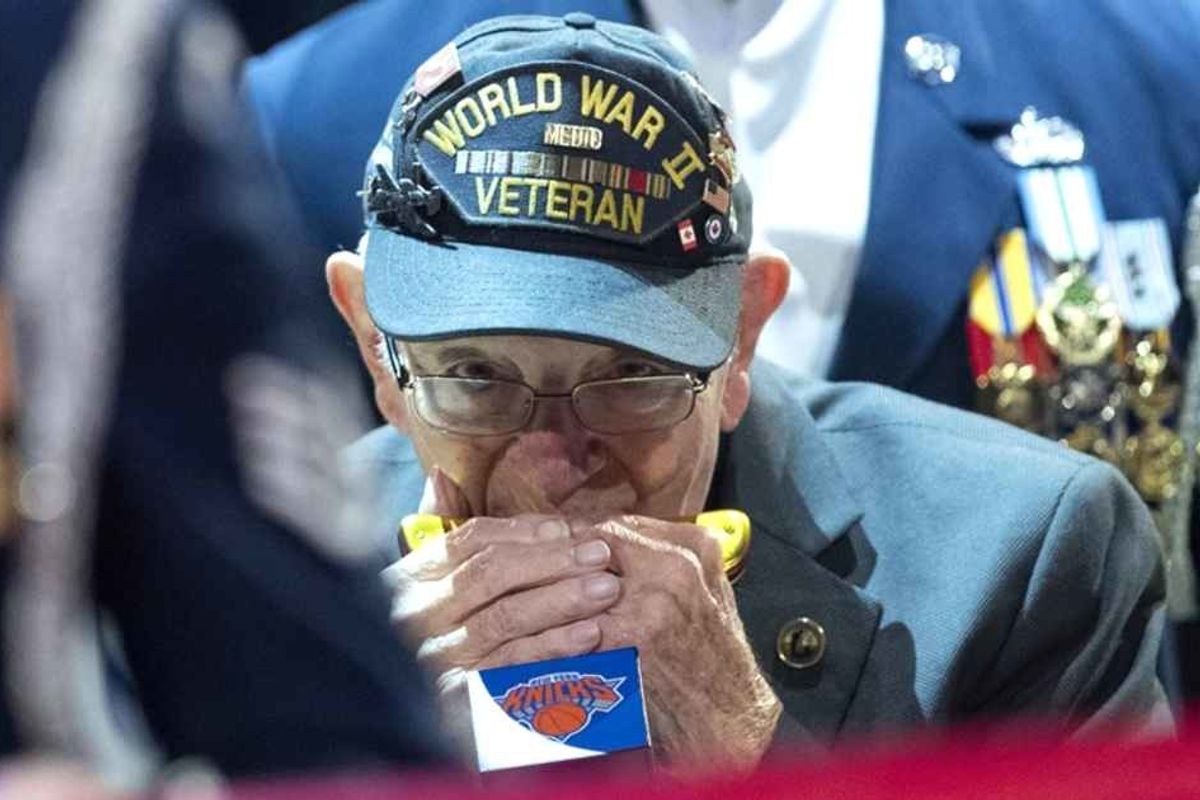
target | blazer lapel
x=939, y=196
x=780, y=586
x=779, y=471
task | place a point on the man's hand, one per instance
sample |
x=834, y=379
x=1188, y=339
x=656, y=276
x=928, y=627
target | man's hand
x=707, y=701
x=500, y=591
x=505, y=591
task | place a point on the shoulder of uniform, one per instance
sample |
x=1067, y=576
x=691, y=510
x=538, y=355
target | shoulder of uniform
x=878, y=412
x=873, y=414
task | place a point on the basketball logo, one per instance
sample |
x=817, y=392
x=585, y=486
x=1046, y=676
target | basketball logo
x=560, y=704
x=559, y=720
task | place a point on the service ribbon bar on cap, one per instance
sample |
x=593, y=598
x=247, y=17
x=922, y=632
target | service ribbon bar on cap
x=617, y=161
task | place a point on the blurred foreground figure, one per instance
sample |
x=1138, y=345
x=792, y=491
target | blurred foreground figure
x=558, y=305
x=172, y=500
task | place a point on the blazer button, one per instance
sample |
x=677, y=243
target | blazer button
x=801, y=643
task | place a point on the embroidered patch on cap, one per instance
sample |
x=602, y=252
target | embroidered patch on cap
x=437, y=70
x=687, y=235
x=714, y=230
x=565, y=147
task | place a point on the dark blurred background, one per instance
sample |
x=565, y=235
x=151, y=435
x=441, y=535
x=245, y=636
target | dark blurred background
x=263, y=24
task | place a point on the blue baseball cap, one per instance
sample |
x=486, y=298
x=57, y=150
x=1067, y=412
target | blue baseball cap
x=562, y=177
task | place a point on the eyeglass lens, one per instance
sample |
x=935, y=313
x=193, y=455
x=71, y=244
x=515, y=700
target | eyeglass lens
x=490, y=407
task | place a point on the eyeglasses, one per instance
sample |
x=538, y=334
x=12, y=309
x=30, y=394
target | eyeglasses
x=494, y=407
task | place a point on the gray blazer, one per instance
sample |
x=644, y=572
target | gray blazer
x=959, y=568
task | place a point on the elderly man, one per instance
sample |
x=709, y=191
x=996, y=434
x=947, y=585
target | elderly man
x=560, y=316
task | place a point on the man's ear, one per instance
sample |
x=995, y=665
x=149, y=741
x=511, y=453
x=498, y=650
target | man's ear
x=344, y=273
x=764, y=285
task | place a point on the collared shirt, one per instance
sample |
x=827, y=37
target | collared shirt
x=800, y=79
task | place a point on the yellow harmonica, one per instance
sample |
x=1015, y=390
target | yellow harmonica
x=730, y=527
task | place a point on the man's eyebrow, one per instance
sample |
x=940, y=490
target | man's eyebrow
x=614, y=356
x=428, y=361
x=458, y=353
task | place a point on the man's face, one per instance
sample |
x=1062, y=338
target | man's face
x=554, y=464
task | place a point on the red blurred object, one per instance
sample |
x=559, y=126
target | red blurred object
x=1018, y=765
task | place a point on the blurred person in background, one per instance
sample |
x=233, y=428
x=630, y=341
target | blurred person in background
x=557, y=303
x=184, y=574
x=908, y=158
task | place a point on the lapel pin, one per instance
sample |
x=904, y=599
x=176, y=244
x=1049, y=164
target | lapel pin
x=932, y=58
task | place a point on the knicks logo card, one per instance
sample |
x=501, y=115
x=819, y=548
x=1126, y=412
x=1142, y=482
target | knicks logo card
x=558, y=710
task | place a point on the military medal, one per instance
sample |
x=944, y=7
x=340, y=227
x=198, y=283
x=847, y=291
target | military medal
x=1135, y=260
x=1153, y=376
x=1059, y=194
x=1078, y=320
x=1006, y=357
x=1088, y=395
x=1105, y=302
x=1063, y=211
x=1077, y=317
x=1153, y=458
x=1010, y=391
x=1090, y=439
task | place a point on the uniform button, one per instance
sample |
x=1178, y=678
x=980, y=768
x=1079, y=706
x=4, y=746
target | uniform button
x=578, y=19
x=801, y=643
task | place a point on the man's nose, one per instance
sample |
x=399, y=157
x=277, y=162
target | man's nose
x=556, y=416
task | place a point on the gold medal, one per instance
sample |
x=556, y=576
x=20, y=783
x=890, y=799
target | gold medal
x=1153, y=460
x=1078, y=320
x=1011, y=392
x=1091, y=440
x=1154, y=387
x=1153, y=400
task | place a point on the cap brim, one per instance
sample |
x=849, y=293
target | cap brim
x=421, y=290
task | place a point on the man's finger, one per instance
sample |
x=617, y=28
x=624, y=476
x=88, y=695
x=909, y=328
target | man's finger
x=441, y=555
x=476, y=534
x=533, y=611
x=570, y=640
x=642, y=543
x=499, y=569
